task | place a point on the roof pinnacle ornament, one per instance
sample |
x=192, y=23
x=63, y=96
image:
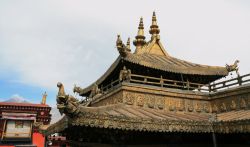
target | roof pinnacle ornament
x=118, y=42
x=44, y=98
x=139, y=38
x=123, y=50
x=154, y=28
x=128, y=44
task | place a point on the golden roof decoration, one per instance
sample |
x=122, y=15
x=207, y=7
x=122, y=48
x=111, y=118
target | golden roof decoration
x=139, y=41
x=123, y=50
x=154, y=45
x=128, y=44
x=154, y=29
x=152, y=55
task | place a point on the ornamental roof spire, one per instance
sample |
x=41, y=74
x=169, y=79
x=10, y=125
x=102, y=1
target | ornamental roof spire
x=44, y=98
x=139, y=38
x=154, y=28
x=128, y=44
x=119, y=42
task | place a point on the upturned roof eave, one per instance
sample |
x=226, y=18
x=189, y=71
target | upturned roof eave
x=210, y=70
x=98, y=117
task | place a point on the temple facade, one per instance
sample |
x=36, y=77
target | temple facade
x=149, y=98
x=19, y=123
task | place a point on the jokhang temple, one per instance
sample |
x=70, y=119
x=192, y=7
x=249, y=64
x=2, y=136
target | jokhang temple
x=150, y=98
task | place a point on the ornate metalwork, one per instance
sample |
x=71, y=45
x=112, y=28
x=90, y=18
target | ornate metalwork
x=66, y=103
x=125, y=74
x=123, y=50
x=233, y=67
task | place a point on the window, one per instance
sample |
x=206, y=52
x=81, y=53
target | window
x=18, y=124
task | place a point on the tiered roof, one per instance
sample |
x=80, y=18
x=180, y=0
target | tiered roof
x=151, y=55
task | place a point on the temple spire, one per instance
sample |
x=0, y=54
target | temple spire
x=44, y=98
x=139, y=38
x=154, y=28
x=128, y=44
x=119, y=42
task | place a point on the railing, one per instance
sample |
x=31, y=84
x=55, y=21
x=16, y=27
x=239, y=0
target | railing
x=165, y=82
x=110, y=86
x=185, y=85
x=238, y=81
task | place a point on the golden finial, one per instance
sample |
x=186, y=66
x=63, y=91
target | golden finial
x=44, y=98
x=128, y=44
x=154, y=28
x=140, y=38
x=141, y=28
x=118, y=41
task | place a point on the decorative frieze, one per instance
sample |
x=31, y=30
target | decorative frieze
x=161, y=102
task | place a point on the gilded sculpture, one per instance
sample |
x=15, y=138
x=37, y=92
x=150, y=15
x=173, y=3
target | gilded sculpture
x=122, y=48
x=66, y=103
x=125, y=74
x=233, y=67
x=95, y=91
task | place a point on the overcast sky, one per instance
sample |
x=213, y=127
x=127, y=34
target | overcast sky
x=43, y=42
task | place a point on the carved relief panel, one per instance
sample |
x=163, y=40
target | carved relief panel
x=207, y=107
x=171, y=104
x=140, y=100
x=223, y=107
x=233, y=105
x=150, y=101
x=198, y=106
x=181, y=105
x=190, y=106
x=243, y=103
x=129, y=98
x=160, y=102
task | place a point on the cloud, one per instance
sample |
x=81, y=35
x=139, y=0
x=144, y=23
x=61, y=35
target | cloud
x=74, y=42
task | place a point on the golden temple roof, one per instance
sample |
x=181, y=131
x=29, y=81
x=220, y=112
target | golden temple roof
x=153, y=55
x=157, y=107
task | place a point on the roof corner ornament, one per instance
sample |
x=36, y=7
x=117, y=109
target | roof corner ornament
x=95, y=91
x=66, y=104
x=154, y=28
x=77, y=89
x=125, y=74
x=233, y=67
x=139, y=41
x=123, y=50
